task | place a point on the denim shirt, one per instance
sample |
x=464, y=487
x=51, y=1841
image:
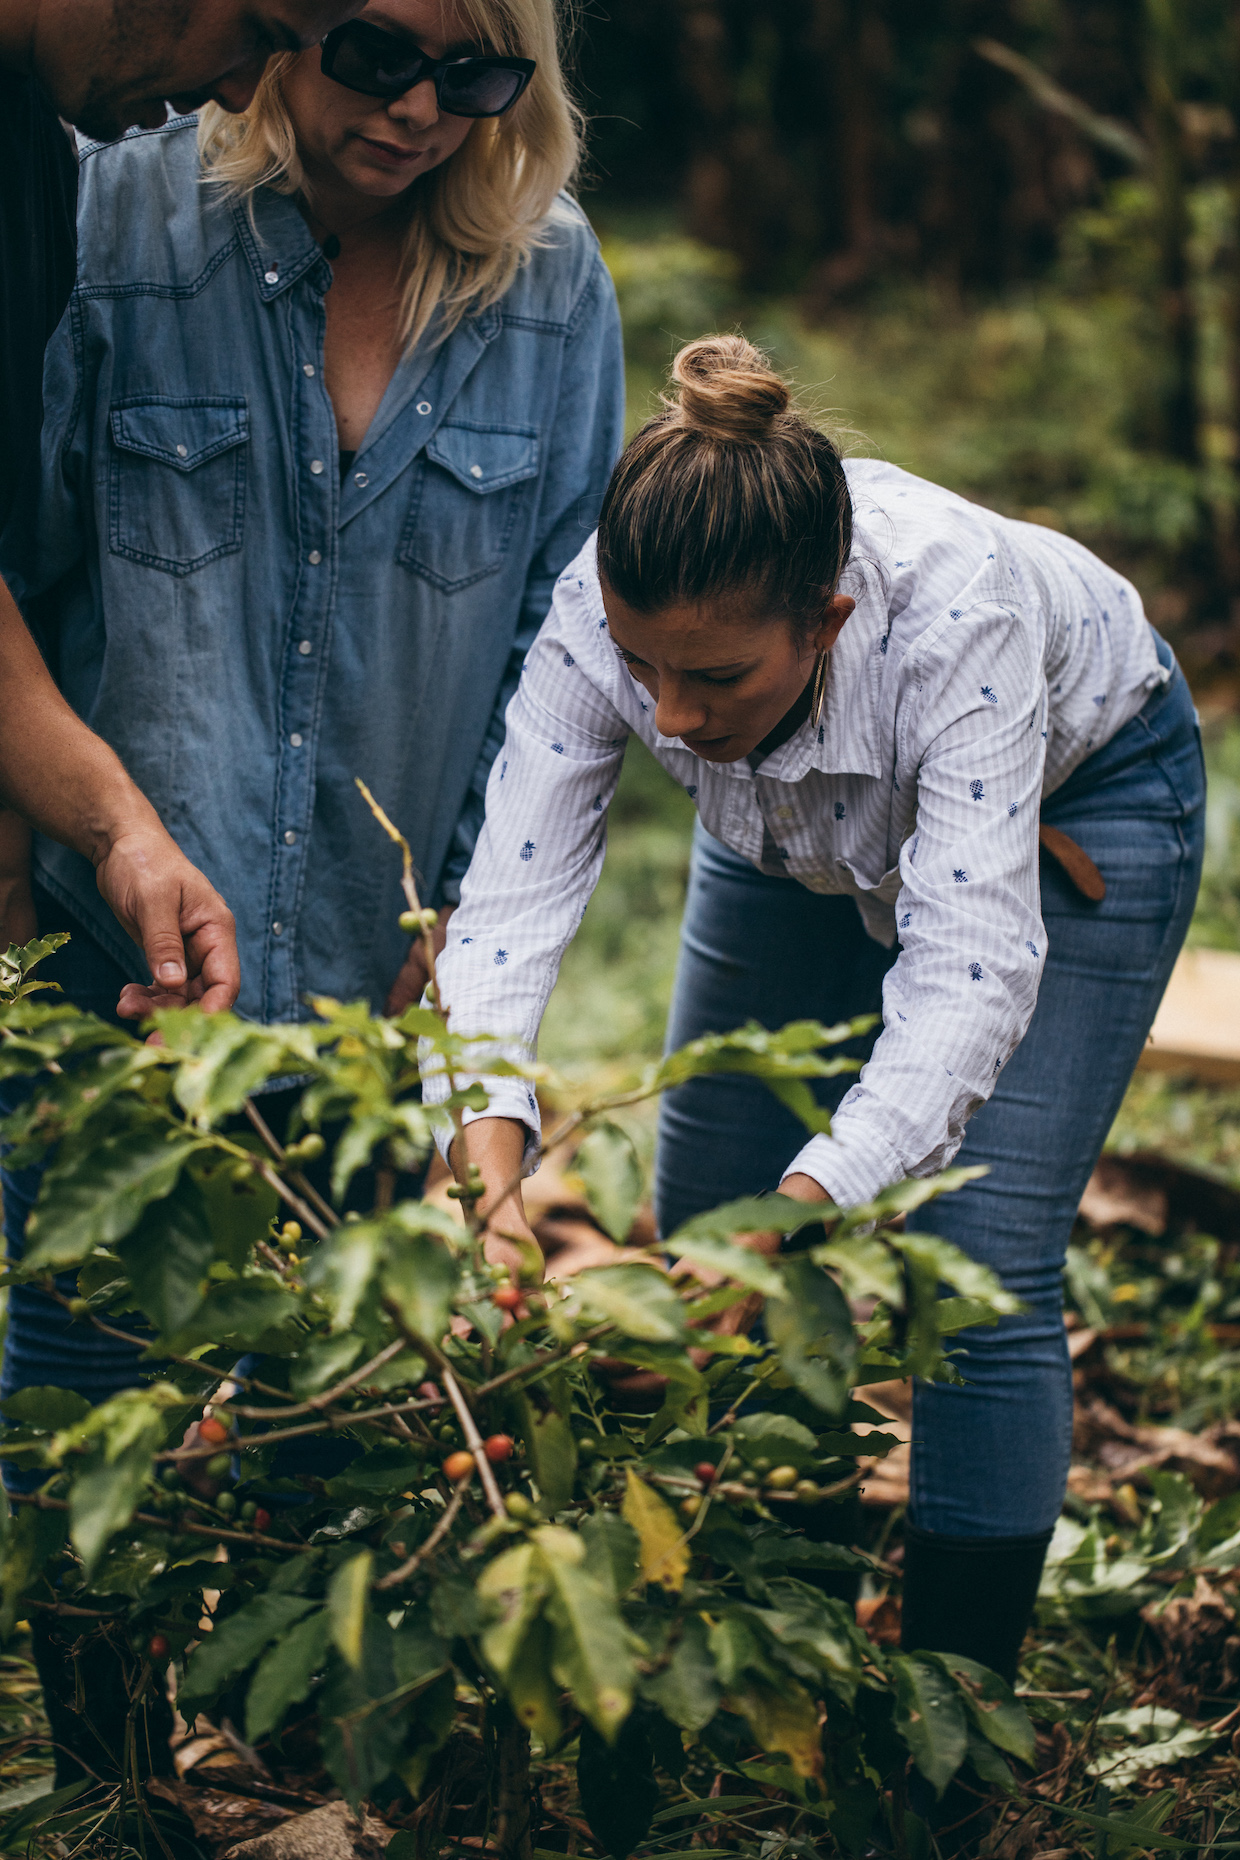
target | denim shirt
x=249, y=633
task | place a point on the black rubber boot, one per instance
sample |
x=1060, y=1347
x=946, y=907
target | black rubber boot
x=973, y=1596
x=87, y=1702
x=970, y=1595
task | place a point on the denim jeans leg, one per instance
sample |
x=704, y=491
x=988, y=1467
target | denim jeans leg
x=762, y=948
x=43, y=1347
x=990, y=1460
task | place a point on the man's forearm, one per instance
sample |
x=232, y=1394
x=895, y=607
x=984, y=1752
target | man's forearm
x=53, y=769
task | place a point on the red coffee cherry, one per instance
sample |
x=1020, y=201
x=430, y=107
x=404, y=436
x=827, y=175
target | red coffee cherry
x=498, y=1448
x=507, y=1297
x=158, y=1647
x=458, y=1466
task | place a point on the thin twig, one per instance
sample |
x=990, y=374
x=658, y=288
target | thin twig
x=397, y=1576
x=473, y=1440
x=41, y=1502
x=317, y=1403
x=267, y=1135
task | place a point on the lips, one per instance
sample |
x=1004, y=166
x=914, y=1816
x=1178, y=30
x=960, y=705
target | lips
x=394, y=152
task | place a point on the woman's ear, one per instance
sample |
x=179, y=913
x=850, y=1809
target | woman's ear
x=833, y=619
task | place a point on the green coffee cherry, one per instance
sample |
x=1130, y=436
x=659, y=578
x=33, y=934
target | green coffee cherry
x=219, y=1466
x=79, y=1307
x=226, y=1504
x=248, y=1511
x=807, y=1491
x=762, y=1466
x=782, y=1479
x=518, y=1506
x=172, y=1479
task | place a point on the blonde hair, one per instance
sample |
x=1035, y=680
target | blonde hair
x=729, y=492
x=475, y=219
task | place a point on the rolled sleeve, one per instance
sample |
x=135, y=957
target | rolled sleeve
x=960, y=997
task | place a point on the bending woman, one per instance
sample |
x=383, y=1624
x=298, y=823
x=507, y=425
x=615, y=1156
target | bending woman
x=873, y=691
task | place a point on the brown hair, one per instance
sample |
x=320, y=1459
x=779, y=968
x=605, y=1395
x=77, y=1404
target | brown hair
x=729, y=491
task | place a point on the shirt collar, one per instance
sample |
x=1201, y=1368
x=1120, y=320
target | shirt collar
x=276, y=242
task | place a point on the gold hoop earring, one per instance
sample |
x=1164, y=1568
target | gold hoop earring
x=819, y=693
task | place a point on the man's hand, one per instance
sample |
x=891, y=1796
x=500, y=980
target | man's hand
x=407, y=989
x=62, y=777
x=184, y=927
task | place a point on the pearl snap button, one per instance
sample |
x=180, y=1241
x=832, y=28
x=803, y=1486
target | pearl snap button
x=475, y=471
x=290, y=838
x=316, y=466
x=424, y=406
x=315, y=557
x=295, y=739
x=360, y=478
x=304, y=647
x=307, y=368
x=271, y=277
x=277, y=929
x=182, y=452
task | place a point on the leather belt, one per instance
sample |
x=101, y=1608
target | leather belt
x=1074, y=861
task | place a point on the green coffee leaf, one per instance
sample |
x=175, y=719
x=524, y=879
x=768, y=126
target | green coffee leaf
x=348, y=1594
x=512, y=1588
x=741, y=1263
x=686, y=1689
x=167, y=1254
x=48, y=1409
x=285, y=1674
x=95, y=1196
x=591, y=1654
x=234, y=1643
x=930, y=1718
x=992, y=1705
x=420, y=1278
x=612, y=1178
x=639, y=1300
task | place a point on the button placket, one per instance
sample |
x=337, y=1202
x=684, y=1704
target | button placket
x=304, y=657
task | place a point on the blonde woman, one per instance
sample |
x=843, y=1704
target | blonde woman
x=335, y=400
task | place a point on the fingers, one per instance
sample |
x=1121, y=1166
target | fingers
x=410, y=983
x=210, y=933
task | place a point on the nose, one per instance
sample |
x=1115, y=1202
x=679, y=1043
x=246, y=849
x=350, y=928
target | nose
x=235, y=90
x=676, y=712
x=418, y=108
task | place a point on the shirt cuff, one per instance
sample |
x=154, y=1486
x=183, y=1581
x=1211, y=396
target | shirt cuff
x=852, y=1167
x=505, y=1098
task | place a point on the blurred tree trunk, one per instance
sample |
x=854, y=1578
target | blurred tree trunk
x=1181, y=414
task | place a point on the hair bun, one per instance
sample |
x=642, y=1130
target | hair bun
x=727, y=392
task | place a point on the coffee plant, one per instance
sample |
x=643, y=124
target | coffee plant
x=413, y=1489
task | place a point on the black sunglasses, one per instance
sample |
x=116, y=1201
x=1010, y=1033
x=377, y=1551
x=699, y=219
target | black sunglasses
x=364, y=58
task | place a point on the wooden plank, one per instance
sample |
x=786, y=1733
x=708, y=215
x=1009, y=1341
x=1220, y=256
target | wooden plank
x=1197, y=1028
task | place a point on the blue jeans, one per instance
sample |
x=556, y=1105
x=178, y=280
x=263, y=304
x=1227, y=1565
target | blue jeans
x=990, y=1460
x=43, y=1347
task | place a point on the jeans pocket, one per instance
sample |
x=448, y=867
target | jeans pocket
x=469, y=487
x=176, y=480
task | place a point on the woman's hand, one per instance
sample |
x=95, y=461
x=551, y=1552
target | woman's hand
x=495, y=1146
x=407, y=989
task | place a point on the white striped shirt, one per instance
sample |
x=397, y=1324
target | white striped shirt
x=984, y=661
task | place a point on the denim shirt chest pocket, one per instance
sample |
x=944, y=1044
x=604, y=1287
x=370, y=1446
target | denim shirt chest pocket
x=176, y=479
x=467, y=496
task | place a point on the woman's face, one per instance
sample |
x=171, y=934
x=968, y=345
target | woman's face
x=374, y=148
x=722, y=677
